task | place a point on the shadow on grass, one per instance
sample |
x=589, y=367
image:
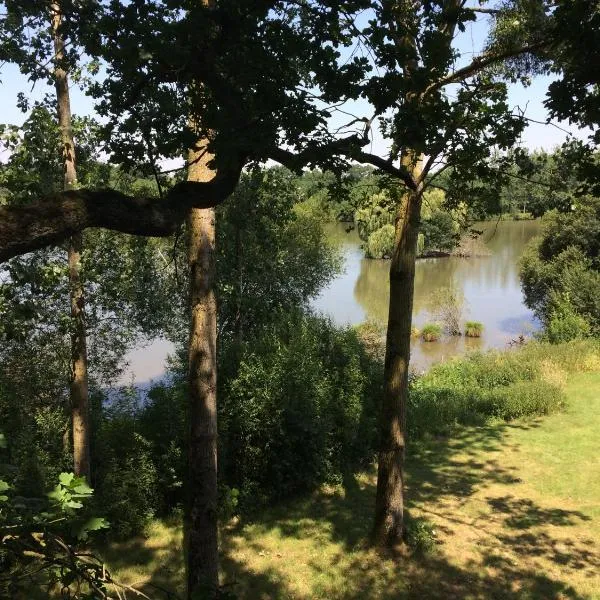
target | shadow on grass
x=514, y=539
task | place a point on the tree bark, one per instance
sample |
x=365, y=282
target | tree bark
x=54, y=218
x=389, y=504
x=79, y=362
x=201, y=526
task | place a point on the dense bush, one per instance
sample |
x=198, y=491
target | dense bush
x=300, y=411
x=297, y=407
x=440, y=232
x=125, y=472
x=522, y=382
x=560, y=272
x=380, y=243
x=563, y=324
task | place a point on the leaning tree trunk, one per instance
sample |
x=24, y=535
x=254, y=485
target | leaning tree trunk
x=79, y=364
x=201, y=526
x=389, y=503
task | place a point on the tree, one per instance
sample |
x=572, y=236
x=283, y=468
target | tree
x=79, y=393
x=560, y=271
x=429, y=129
x=248, y=117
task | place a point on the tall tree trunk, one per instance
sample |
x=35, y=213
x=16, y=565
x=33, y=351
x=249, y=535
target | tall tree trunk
x=79, y=364
x=201, y=526
x=389, y=503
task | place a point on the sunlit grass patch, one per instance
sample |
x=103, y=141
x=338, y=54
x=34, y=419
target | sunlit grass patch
x=512, y=508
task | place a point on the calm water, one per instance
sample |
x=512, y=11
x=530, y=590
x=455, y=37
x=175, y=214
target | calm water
x=490, y=286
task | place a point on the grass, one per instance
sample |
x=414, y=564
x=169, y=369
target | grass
x=514, y=507
x=431, y=332
x=473, y=329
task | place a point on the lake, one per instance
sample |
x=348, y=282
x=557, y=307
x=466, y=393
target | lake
x=490, y=285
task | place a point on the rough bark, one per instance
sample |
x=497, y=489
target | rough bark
x=79, y=397
x=54, y=218
x=389, y=504
x=201, y=530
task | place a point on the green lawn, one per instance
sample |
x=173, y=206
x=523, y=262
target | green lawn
x=515, y=510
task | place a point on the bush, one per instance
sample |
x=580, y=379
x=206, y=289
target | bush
x=440, y=232
x=473, y=329
x=446, y=307
x=523, y=382
x=299, y=412
x=564, y=324
x=126, y=474
x=419, y=535
x=380, y=243
x=431, y=332
x=562, y=264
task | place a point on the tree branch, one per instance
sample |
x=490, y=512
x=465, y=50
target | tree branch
x=54, y=218
x=478, y=64
x=349, y=147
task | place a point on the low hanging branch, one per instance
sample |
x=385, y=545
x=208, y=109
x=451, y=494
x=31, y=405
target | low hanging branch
x=52, y=219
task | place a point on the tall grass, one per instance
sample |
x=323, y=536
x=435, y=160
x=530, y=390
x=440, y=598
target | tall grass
x=526, y=381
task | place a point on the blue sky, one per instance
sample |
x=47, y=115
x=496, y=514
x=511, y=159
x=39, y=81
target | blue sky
x=529, y=99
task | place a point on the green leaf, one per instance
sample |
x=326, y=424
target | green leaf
x=66, y=479
x=83, y=489
x=93, y=524
x=4, y=486
x=2, y=441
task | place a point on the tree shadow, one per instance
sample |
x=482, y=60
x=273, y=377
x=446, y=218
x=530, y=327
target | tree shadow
x=513, y=548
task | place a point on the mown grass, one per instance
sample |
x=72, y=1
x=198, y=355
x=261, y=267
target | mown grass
x=515, y=509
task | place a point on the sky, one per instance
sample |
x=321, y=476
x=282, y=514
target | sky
x=528, y=99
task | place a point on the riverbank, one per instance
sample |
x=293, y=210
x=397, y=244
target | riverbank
x=500, y=510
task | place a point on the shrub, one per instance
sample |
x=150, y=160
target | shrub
x=431, y=332
x=446, y=307
x=419, y=535
x=125, y=473
x=440, y=232
x=564, y=324
x=380, y=243
x=563, y=264
x=473, y=329
x=300, y=410
x=505, y=385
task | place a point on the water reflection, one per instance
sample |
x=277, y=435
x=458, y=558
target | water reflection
x=490, y=285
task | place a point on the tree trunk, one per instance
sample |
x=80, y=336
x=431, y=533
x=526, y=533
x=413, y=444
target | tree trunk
x=389, y=503
x=79, y=364
x=201, y=526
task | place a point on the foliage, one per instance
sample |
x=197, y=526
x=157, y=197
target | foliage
x=446, y=307
x=431, y=332
x=126, y=474
x=473, y=329
x=375, y=214
x=440, y=232
x=41, y=540
x=420, y=535
x=272, y=255
x=300, y=410
x=380, y=243
x=505, y=385
x=562, y=266
x=564, y=324
x=297, y=409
